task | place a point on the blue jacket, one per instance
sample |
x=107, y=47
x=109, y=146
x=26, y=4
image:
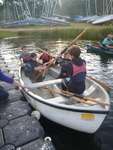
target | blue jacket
x=29, y=67
x=5, y=78
x=107, y=41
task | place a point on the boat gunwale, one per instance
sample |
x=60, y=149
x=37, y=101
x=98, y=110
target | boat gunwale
x=66, y=108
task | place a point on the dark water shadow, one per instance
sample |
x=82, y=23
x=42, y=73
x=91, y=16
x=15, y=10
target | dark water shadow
x=104, y=136
x=66, y=139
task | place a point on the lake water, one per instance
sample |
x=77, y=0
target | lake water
x=98, y=66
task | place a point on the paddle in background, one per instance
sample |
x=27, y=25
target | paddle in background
x=74, y=41
x=71, y=43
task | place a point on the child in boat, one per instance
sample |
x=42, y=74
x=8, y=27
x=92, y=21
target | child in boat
x=45, y=56
x=3, y=93
x=108, y=41
x=33, y=69
x=74, y=72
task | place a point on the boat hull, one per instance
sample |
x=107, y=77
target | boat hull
x=80, y=120
x=99, y=49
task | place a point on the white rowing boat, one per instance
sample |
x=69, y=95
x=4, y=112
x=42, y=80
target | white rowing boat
x=66, y=110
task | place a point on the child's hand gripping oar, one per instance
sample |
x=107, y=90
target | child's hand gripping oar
x=43, y=69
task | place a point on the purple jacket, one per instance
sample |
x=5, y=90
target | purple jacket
x=5, y=78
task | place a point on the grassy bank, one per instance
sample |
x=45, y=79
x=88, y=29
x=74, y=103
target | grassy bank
x=5, y=34
x=63, y=32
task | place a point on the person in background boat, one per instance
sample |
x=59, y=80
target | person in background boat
x=45, y=56
x=108, y=41
x=25, y=56
x=74, y=72
x=33, y=69
x=3, y=93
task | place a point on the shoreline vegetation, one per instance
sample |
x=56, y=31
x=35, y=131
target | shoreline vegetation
x=94, y=32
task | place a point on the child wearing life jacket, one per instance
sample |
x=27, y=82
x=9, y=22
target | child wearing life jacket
x=45, y=56
x=33, y=69
x=74, y=72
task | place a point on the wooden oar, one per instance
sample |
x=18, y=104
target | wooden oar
x=78, y=98
x=47, y=66
x=61, y=92
x=104, y=85
x=74, y=41
x=103, y=104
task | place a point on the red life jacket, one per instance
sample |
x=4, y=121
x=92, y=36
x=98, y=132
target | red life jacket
x=78, y=69
x=45, y=57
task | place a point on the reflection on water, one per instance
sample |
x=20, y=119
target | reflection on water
x=99, y=67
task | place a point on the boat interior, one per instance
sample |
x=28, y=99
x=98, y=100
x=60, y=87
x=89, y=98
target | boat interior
x=48, y=89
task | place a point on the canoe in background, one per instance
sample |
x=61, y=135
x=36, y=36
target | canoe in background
x=99, y=49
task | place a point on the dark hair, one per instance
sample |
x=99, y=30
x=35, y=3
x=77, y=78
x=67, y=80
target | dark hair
x=33, y=55
x=74, y=51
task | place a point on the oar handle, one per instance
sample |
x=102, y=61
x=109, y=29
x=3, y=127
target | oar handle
x=74, y=41
x=96, y=101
